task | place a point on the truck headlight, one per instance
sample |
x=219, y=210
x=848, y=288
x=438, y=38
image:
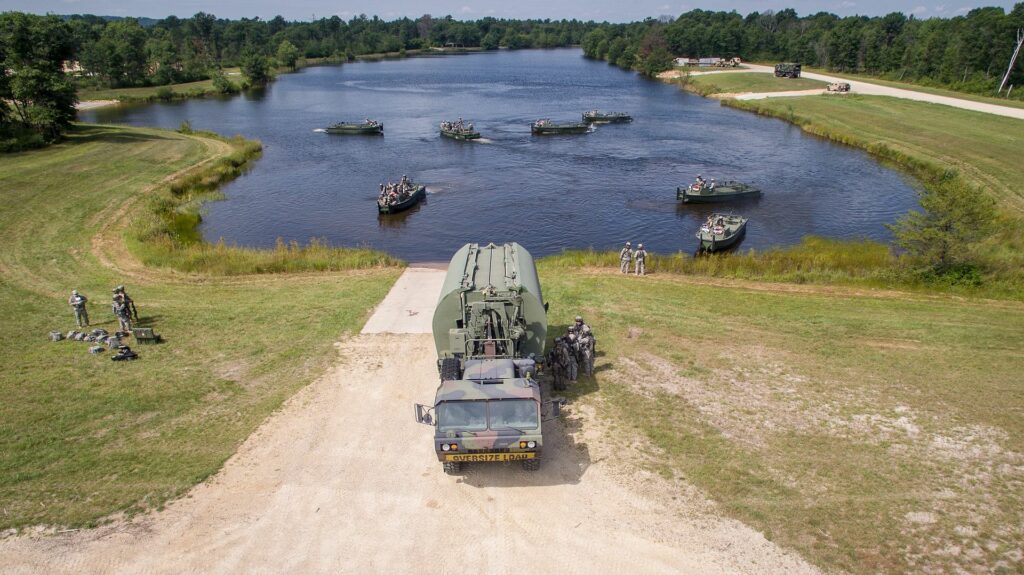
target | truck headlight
x=445, y=447
x=531, y=444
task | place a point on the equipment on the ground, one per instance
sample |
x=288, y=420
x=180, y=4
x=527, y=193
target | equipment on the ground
x=56, y=336
x=838, y=87
x=145, y=336
x=489, y=327
x=124, y=353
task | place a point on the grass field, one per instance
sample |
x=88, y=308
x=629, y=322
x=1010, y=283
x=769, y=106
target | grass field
x=870, y=431
x=148, y=93
x=1011, y=102
x=983, y=147
x=739, y=82
x=81, y=436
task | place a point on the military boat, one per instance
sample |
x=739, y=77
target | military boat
x=367, y=127
x=546, y=127
x=459, y=130
x=721, y=231
x=597, y=117
x=400, y=197
x=703, y=192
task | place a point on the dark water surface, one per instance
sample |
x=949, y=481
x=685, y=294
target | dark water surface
x=546, y=192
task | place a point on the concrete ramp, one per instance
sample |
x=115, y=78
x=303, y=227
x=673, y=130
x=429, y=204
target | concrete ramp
x=409, y=306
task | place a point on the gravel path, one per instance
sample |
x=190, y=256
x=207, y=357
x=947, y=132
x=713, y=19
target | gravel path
x=342, y=480
x=867, y=88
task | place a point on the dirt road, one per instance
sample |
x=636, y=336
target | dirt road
x=342, y=480
x=860, y=87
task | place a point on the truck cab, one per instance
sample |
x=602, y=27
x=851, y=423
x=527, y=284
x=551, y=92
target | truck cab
x=493, y=414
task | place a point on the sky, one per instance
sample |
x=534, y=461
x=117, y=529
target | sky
x=600, y=10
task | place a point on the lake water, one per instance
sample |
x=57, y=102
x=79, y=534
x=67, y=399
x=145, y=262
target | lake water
x=598, y=190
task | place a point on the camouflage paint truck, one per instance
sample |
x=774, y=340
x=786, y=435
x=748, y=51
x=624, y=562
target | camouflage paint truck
x=787, y=70
x=489, y=330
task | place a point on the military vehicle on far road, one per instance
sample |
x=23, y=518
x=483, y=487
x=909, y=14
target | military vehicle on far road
x=489, y=330
x=787, y=70
x=838, y=87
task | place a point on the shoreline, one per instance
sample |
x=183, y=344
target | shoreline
x=93, y=104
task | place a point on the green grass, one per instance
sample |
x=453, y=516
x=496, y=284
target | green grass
x=82, y=437
x=829, y=419
x=1011, y=102
x=931, y=142
x=742, y=82
x=150, y=93
x=984, y=148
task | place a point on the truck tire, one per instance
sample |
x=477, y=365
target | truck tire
x=531, y=464
x=452, y=467
x=450, y=369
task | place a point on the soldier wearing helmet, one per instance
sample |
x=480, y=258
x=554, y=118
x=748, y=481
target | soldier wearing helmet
x=77, y=302
x=641, y=257
x=121, y=312
x=586, y=344
x=624, y=258
x=128, y=301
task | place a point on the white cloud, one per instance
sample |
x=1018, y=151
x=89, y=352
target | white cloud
x=664, y=7
x=919, y=10
x=466, y=10
x=940, y=8
x=847, y=4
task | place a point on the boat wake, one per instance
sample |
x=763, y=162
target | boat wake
x=483, y=141
x=321, y=130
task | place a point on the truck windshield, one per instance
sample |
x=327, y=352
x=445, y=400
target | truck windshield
x=475, y=415
x=513, y=414
x=462, y=415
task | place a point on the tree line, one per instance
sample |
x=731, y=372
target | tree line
x=37, y=96
x=969, y=52
x=123, y=52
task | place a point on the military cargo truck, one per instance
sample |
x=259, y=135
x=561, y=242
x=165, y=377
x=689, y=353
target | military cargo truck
x=489, y=329
x=787, y=70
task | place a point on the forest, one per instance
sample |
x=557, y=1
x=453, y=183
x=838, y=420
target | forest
x=969, y=52
x=45, y=59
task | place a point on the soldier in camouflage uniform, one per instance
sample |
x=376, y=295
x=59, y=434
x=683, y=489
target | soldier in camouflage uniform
x=570, y=348
x=77, y=302
x=120, y=309
x=586, y=345
x=624, y=258
x=128, y=301
x=641, y=257
x=555, y=361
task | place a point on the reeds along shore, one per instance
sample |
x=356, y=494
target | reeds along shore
x=167, y=233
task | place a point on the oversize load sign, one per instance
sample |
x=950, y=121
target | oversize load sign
x=490, y=457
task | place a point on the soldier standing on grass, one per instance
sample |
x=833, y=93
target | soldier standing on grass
x=624, y=258
x=586, y=353
x=128, y=301
x=77, y=302
x=120, y=309
x=641, y=256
